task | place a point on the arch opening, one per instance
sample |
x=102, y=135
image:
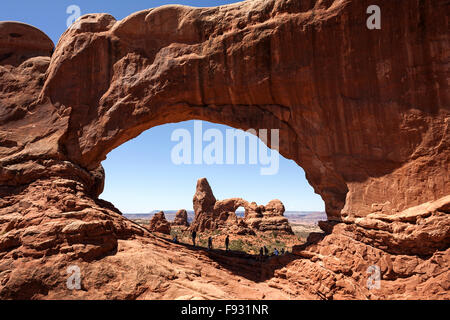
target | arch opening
x=240, y=212
x=142, y=178
x=148, y=157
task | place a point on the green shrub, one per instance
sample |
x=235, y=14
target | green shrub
x=237, y=245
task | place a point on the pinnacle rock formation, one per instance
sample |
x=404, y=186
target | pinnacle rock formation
x=365, y=112
x=212, y=214
x=181, y=218
x=158, y=223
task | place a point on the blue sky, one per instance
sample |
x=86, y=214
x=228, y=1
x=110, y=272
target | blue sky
x=140, y=175
x=50, y=15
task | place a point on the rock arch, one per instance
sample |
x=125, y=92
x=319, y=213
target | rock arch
x=364, y=112
x=212, y=214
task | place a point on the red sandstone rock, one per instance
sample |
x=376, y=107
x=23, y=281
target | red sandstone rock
x=158, y=223
x=212, y=214
x=364, y=112
x=20, y=42
x=270, y=218
x=181, y=218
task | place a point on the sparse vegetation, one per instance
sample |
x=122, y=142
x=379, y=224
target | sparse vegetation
x=248, y=244
x=237, y=245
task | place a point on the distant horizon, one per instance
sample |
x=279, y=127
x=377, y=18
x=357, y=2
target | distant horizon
x=175, y=210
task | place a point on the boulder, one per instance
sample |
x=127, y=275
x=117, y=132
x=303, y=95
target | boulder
x=158, y=223
x=181, y=218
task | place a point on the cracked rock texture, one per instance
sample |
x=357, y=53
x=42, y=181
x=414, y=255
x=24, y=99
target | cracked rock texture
x=364, y=112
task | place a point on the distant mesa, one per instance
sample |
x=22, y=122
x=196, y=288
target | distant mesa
x=213, y=214
x=159, y=223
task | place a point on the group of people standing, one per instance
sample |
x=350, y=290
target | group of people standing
x=263, y=251
x=227, y=241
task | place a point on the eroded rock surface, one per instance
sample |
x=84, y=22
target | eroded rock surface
x=20, y=42
x=158, y=223
x=364, y=112
x=268, y=218
x=212, y=214
x=181, y=218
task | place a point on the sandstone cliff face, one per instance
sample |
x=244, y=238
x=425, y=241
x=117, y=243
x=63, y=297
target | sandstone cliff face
x=364, y=112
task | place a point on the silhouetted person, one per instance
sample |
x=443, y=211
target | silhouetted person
x=266, y=251
x=275, y=252
x=282, y=251
x=175, y=239
x=227, y=242
x=194, y=235
x=261, y=253
x=209, y=243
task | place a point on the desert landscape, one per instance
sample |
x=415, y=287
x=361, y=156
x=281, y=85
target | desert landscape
x=302, y=224
x=365, y=113
x=248, y=230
